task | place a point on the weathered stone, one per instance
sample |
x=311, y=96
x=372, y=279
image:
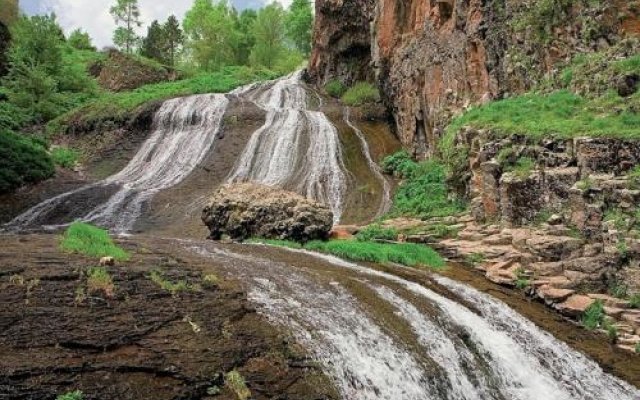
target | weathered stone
x=575, y=305
x=245, y=210
x=554, y=295
x=520, y=198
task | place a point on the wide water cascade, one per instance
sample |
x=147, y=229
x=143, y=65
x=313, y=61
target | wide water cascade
x=185, y=129
x=451, y=351
x=296, y=148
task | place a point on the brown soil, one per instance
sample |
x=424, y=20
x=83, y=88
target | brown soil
x=141, y=342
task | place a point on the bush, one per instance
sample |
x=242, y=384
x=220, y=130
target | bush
x=77, y=395
x=65, y=157
x=91, y=241
x=522, y=168
x=424, y=192
x=22, y=160
x=594, y=315
x=361, y=93
x=377, y=232
x=335, y=88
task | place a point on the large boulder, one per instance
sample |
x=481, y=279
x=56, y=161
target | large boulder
x=247, y=210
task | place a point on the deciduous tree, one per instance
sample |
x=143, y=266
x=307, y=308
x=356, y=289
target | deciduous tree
x=300, y=25
x=269, y=33
x=127, y=16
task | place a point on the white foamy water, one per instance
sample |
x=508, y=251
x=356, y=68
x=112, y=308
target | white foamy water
x=185, y=130
x=385, y=202
x=296, y=149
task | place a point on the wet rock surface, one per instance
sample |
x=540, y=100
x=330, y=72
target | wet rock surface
x=245, y=210
x=137, y=340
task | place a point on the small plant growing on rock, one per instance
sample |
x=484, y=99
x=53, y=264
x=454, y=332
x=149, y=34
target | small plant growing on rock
x=335, y=88
x=475, y=259
x=361, y=93
x=620, y=219
x=99, y=279
x=593, y=315
x=210, y=281
x=618, y=290
x=634, y=178
x=612, y=331
x=634, y=301
x=585, y=184
x=523, y=167
x=235, y=382
x=377, y=232
x=522, y=279
x=174, y=288
x=638, y=348
x=77, y=395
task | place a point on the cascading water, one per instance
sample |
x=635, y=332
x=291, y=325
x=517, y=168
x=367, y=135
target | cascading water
x=185, y=130
x=296, y=149
x=490, y=352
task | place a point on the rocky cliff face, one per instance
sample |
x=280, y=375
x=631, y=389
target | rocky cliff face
x=434, y=58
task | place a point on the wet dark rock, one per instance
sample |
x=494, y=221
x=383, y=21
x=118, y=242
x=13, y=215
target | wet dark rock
x=628, y=85
x=242, y=211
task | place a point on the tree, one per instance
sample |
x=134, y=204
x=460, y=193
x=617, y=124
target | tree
x=174, y=39
x=269, y=33
x=300, y=25
x=246, y=40
x=126, y=14
x=80, y=40
x=154, y=44
x=211, y=33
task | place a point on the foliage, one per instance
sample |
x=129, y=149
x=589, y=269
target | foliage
x=163, y=41
x=585, y=184
x=300, y=25
x=634, y=177
x=80, y=40
x=76, y=395
x=174, y=288
x=620, y=220
x=618, y=290
x=119, y=106
x=634, y=301
x=211, y=34
x=408, y=254
x=236, y=383
x=335, y=88
x=99, y=279
x=522, y=279
x=65, y=157
x=173, y=40
x=594, y=315
x=377, y=232
x=361, y=93
x=91, y=241
x=475, y=258
x=9, y=12
x=127, y=16
x=22, y=160
x=269, y=32
x=522, y=168
x=424, y=191
x=246, y=40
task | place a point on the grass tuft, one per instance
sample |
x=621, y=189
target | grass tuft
x=377, y=232
x=65, y=157
x=99, y=279
x=593, y=316
x=335, y=88
x=361, y=93
x=91, y=241
x=236, y=383
x=76, y=395
x=174, y=288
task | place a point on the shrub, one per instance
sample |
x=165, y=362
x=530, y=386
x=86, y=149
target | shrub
x=65, y=157
x=77, y=395
x=361, y=93
x=91, y=241
x=634, y=301
x=174, y=288
x=400, y=164
x=475, y=258
x=22, y=160
x=236, y=383
x=335, y=88
x=377, y=232
x=620, y=220
x=522, y=168
x=593, y=315
x=634, y=177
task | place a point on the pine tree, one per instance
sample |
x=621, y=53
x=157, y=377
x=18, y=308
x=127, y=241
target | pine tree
x=174, y=39
x=126, y=14
x=154, y=44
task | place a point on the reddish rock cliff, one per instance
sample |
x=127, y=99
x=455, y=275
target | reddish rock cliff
x=433, y=58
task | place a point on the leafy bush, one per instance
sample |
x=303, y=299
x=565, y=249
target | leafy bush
x=22, y=160
x=594, y=315
x=361, y=93
x=634, y=301
x=400, y=164
x=522, y=168
x=65, y=157
x=335, y=88
x=91, y=241
x=377, y=232
x=12, y=117
x=424, y=192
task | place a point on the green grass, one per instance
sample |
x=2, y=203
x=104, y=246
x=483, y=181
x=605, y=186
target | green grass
x=593, y=316
x=522, y=168
x=475, y=258
x=99, y=279
x=408, y=254
x=174, y=288
x=22, y=160
x=424, y=192
x=361, y=93
x=117, y=107
x=634, y=301
x=76, y=395
x=65, y=157
x=377, y=232
x=236, y=383
x=335, y=88
x=91, y=241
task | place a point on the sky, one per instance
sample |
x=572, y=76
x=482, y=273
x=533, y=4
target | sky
x=93, y=15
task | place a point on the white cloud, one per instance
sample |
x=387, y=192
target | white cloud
x=93, y=15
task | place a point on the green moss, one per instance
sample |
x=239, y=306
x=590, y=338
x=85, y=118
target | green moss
x=361, y=93
x=91, y=241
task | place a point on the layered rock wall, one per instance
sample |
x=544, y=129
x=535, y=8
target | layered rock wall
x=434, y=58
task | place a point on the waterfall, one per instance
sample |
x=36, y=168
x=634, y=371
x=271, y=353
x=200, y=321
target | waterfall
x=185, y=130
x=488, y=352
x=296, y=148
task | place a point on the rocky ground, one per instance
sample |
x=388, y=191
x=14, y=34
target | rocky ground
x=137, y=338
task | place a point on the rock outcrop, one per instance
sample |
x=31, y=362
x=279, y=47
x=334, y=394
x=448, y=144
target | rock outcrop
x=245, y=210
x=121, y=72
x=434, y=58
